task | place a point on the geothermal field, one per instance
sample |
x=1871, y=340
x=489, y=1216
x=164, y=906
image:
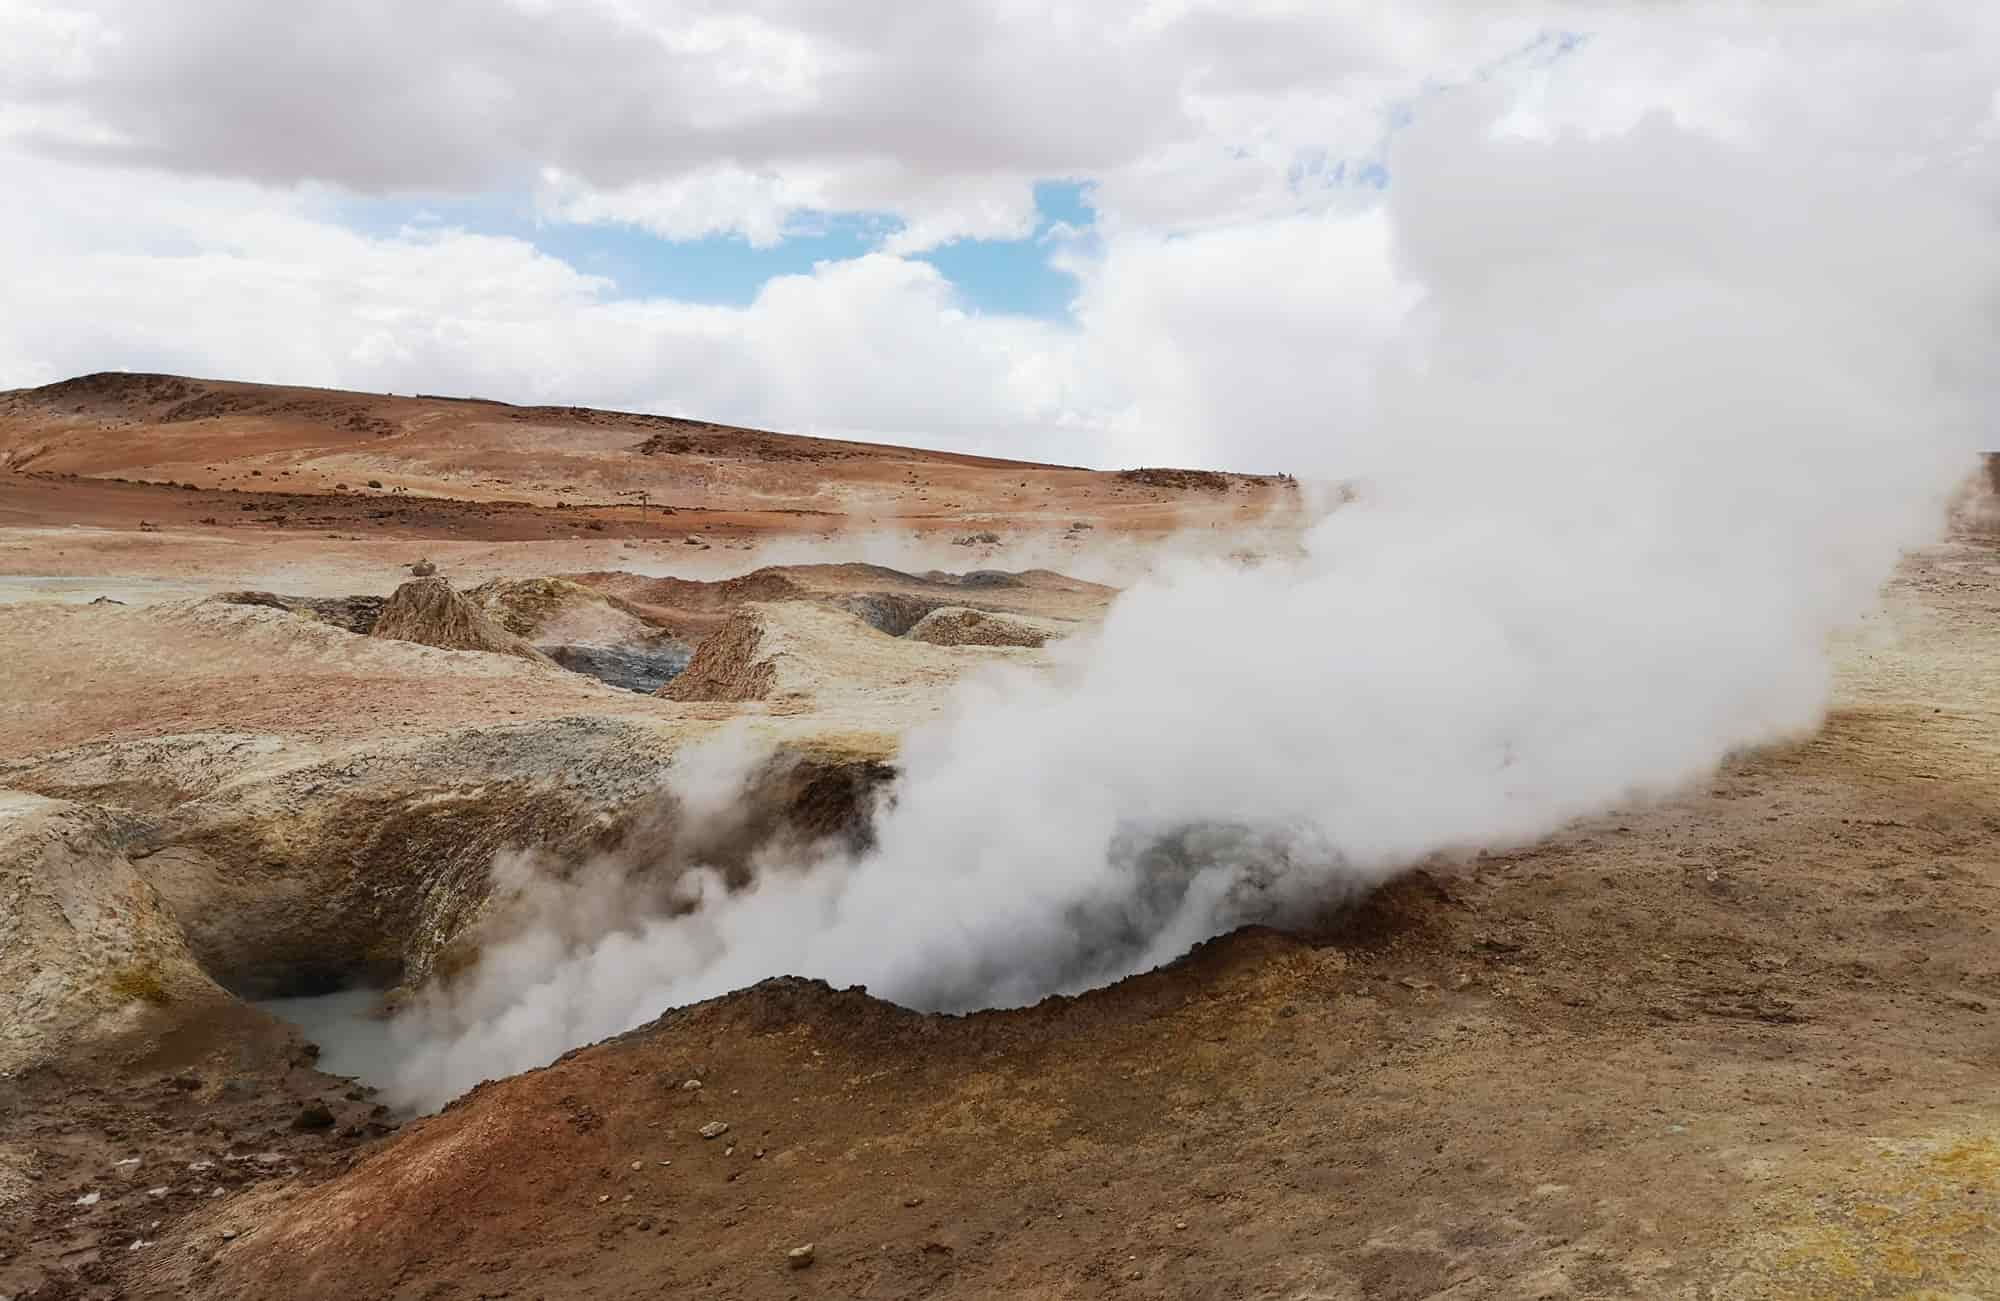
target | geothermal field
x=454, y=849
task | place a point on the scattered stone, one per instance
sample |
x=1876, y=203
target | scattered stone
x=314, y=1115
x=161, y=1191
x=1411, y=982
x=691, y=1085
x=229, y=1235
x=800, y=1257
x=423, y=568
x=187, y=1081
x=89, y=1199
x=374, y=483
x=730, y=1150
x=603, y=1198
x=714, y=1129
x=913, y=1202
x=638, y=1165
x=130, y=1160
x=1461, y=981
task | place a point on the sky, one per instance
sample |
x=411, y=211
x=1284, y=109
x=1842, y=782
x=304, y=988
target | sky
x=1128, y=232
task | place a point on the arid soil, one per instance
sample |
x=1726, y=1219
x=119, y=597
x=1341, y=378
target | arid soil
x=1740, y=1044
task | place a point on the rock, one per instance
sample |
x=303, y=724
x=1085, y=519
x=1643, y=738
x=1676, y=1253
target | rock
x=714, y=1129
x=89, y=1199
x=800, y=1257
x=423, y=568
x=638, y=1165
x=913, y=1202
x=229, y=1235
x=186, y=1081
x=314, y=1115
x=691, y=1084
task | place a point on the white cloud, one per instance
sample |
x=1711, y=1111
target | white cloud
x=1231, y=309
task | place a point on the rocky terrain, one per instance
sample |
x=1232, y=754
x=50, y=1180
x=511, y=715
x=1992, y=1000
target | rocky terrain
x=1739, y=1044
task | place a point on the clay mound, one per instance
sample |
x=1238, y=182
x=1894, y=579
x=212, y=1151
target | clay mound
x=427, y=611
x=806, y=651
x=726, y=664
x=958, y=626
x=558, y=610
x=355, y=614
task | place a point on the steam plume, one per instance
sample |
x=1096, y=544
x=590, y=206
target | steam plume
x=1658, y=414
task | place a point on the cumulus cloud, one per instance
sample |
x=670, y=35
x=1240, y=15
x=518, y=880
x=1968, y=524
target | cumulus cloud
x=184, y=164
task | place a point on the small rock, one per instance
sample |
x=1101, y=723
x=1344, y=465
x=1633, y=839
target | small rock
x=89, y=1199
x=1411, y=982
x=730, y=1150
x=1461, y=981
x=423, y=568
x=714, y=1129
x=691, y=1085
x=314, y=1115
x=187, y=1081
x=1180, y=1224
x=800, y=1257
x=157, y=1192
x=229, y=1235
x=603, y=1198
x=913, y=1202
x=638, y=1165
x=130, y=1160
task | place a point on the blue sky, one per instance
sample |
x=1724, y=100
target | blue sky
x=1011, y=277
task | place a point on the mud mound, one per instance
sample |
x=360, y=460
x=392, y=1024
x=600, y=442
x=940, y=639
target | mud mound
x=812, y=652
x=691, y=606
x=355, y=614
x=559, y=610
x=894, y=613
x=91, y=953
x=958, y=626
x=427, y=611
x=726, y=664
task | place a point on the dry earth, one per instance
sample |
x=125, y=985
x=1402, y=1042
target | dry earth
x=1737, y=1045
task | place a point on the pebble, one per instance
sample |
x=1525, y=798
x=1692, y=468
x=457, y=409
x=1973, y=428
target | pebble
x=638, y=1165
x=161, y=1191
x=913, y=1201
x=714, y=1129
x=229, y=1235
x=88, y=1199
x=691, y=1085
x=130, y=1160
x=730, y=1150
x=603, y=1198
x=800, y=1257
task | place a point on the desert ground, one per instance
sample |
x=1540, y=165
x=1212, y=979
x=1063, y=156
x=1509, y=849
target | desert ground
x=285, y=670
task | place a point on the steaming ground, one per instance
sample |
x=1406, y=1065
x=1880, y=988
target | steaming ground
x=1621, y=484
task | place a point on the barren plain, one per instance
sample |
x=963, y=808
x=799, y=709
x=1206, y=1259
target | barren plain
x=285, y=670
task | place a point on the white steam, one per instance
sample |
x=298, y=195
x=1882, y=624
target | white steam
x=1658, y=416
